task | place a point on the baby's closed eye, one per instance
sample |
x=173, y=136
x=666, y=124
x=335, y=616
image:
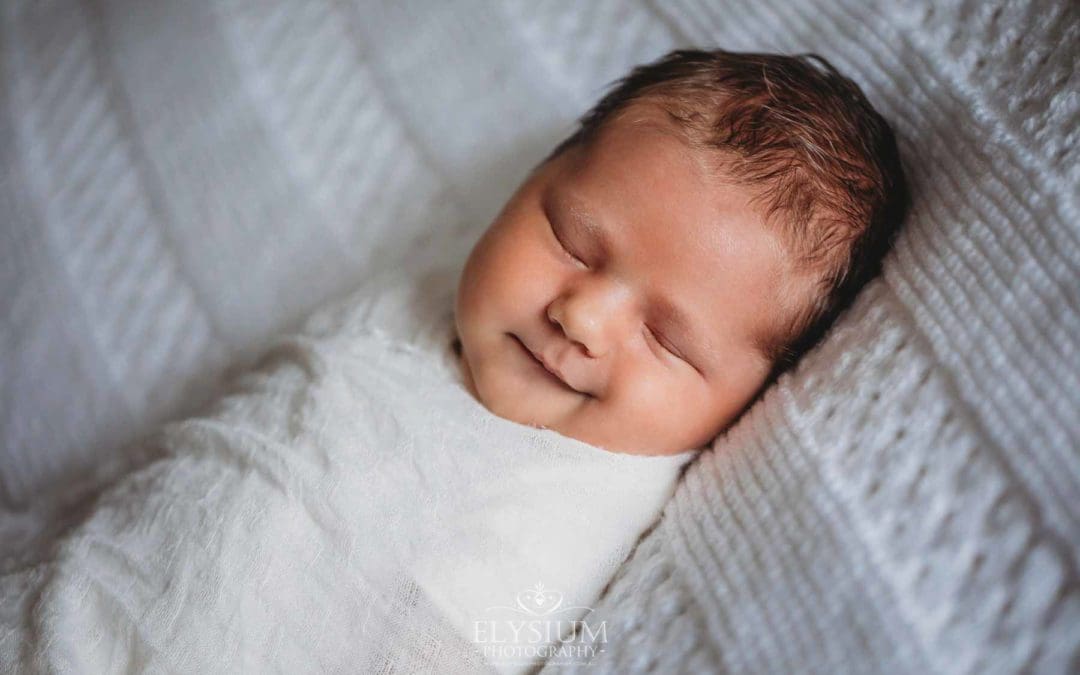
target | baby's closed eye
x=663, y=342
x=576, y=259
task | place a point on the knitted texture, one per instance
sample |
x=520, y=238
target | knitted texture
x=181, y=181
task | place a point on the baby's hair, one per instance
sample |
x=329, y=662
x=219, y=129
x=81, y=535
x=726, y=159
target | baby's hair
x=822, y=158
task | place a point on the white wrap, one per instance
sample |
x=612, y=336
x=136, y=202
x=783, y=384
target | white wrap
x=346, y=505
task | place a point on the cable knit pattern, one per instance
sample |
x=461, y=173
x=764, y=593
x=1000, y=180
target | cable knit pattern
x=97, y=224
x=183, y=180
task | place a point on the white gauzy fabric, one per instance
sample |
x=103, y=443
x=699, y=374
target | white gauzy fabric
x=344, y=505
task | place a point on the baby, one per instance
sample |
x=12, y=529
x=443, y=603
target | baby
x=349, y=506
x=709, y=218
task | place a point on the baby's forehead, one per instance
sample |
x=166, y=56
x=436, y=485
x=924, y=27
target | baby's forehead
x=714, y=177
x=652, y=116
x=643, y=172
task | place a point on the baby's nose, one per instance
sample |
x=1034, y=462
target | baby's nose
x=590, y=315
x=581, y=331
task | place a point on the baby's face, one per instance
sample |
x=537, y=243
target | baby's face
x=617, y=297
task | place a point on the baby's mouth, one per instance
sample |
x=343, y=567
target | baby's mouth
x=543, y=368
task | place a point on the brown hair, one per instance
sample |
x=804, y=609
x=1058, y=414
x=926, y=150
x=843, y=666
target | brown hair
x=806, y=136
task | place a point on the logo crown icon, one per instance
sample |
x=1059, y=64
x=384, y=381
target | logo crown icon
x=539, y=601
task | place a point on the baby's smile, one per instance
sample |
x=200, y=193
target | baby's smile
x=621, y=295
x=552, y=373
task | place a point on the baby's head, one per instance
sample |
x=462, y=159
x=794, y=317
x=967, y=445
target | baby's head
x=708, y=219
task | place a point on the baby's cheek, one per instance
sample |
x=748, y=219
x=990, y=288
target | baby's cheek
x=645, y=401
x=669, y=409
x=519, y=275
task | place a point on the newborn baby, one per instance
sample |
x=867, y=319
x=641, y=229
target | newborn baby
x=350, y=506
x=698, y=232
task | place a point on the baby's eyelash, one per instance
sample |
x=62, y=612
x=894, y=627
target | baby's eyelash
x=671, y=350
x=663, y=343
x=567, y=250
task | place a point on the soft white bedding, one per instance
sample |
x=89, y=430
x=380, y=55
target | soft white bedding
x=180, y=181
x=345, y=504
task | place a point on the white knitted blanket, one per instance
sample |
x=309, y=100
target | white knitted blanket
x=183, y=180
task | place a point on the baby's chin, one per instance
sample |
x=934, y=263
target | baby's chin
x=578, y=419
x=526, y=404
x=508, y=395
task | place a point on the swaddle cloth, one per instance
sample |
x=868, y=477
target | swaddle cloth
x=346, y=507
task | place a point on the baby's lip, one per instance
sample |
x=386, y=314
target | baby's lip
x=547, y=366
